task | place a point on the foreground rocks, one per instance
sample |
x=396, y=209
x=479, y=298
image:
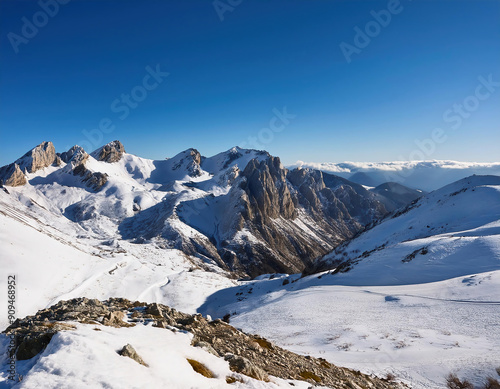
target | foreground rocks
x=247, y=354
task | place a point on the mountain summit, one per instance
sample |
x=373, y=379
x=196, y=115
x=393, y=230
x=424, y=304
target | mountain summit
x=240, y=211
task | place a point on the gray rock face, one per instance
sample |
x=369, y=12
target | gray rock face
x=75, y=154
x=112, y=152
x=76, y=157
x=190, y=160
x=271, y=201
x=11, y=175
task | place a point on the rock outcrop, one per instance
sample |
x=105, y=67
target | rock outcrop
x=37, y=158
x=76, y=158
x=112, y=152
x=129, y=351
x=271, y=199
x=247, y=354
x=76, y=154
x=189, y=160
x=11, y=175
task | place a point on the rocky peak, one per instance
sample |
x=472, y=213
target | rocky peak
x=11, y=175
x=112, y=152
x=190, y=160
x=38, y=157
x=76, y=155
x=267, y=188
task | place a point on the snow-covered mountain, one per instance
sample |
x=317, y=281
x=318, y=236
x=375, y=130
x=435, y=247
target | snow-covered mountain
x=423, y=175
x=415, y=295
x=451, y=232
x=239, y=210
x=398, y=283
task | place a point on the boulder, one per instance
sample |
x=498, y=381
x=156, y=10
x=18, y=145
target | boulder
x=244, y=366
x=129, y=351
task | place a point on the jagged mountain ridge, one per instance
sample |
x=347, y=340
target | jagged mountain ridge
x=241, y=210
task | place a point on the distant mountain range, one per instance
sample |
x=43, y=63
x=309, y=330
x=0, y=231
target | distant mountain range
x=423, y=175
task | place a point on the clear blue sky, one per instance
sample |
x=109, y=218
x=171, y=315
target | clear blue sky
x=226, y=77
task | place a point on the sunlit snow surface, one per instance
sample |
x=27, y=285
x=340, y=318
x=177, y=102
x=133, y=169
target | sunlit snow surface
x=420, y=333
x=418, y=316
x=86, y=358
x=420, y=319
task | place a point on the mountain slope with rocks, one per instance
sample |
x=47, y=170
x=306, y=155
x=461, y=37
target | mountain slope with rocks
x=158, y=346
x=451, y=232
x=240, y=210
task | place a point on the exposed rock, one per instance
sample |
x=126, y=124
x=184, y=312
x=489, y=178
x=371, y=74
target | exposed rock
x=200, y=368
x=115, y=319
x=76, y=157
x=244, y=366
x=247, y=354
x=96, y=180
x=205, y=346
x=38, y=158
x=112, y=152
x=11, y=175
x=190, y=160
x=76, y=154
x=129, y=351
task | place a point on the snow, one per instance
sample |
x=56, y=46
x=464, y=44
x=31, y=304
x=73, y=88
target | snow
x=420, y=333
x=88, y=358
x=53, y=264
x=425, y=175
x=421, y=303
x=454, y=231
x=419, y=317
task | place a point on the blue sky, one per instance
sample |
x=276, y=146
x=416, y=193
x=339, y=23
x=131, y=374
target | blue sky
x=229, y=80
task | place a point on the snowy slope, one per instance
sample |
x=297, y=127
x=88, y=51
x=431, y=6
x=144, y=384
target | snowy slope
x=417, y=295
x=451, y=232
x=56, y=259
x=420, y=333
x=425, y=175
x=85, y=358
